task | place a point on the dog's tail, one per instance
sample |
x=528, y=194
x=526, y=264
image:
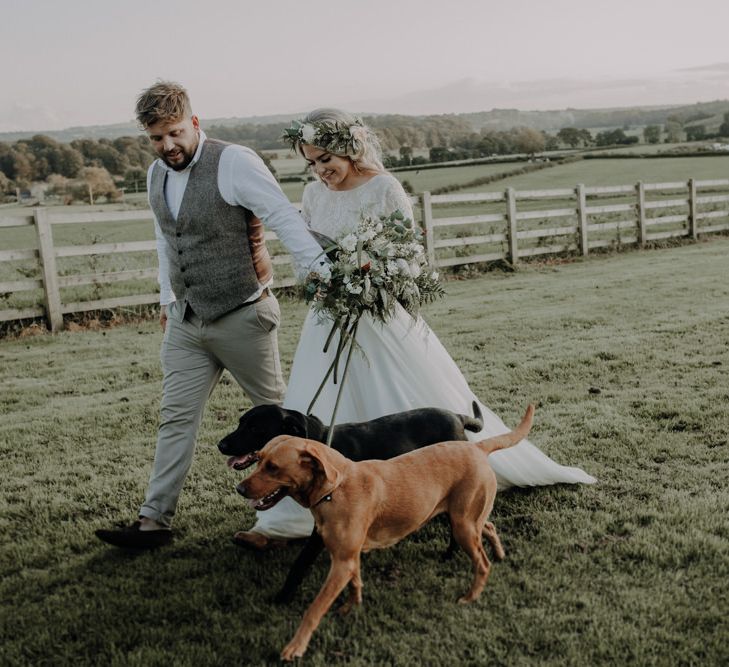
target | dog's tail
x=474, y=423
x=509, y=439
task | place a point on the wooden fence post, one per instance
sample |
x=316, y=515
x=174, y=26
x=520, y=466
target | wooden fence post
x=640, y=209
x=47, y=260
x=582, y=218
x=693, y=219
x=511, y=217
x=428, y=224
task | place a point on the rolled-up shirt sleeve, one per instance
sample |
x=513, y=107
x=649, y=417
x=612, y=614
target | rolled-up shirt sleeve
x=244, y=180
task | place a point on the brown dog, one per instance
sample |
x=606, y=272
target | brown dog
x=359, y=506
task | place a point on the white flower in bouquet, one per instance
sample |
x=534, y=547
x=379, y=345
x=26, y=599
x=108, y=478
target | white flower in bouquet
x=367, y=235
x=403, y=267
x=349, y=243
x=376, y=266
x=353, y=289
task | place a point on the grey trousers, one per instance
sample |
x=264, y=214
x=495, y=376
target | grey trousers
x=194, y=355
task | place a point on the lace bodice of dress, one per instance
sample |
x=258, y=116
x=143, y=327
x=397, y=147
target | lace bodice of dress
x=337, y=212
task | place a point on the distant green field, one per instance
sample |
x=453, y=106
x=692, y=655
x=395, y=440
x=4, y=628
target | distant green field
x=293, y=191
x=286, y=163
x=617, y=172
x=649, y=148
x=590, y=172
x=431, y=179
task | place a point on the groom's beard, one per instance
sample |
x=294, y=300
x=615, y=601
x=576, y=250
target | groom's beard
x=179, y=158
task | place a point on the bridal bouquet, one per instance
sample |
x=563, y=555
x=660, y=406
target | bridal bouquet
x=375, y=267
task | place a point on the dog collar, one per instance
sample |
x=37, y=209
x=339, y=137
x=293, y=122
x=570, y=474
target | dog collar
x=325, y=499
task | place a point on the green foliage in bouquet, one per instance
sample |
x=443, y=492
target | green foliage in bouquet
x=373, y=268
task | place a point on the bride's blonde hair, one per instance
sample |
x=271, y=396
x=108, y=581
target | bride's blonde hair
x=364, y=152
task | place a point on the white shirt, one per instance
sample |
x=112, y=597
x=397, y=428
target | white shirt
x=243, y=180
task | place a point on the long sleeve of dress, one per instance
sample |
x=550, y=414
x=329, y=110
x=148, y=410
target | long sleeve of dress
x=306, y=206
x=397, y=199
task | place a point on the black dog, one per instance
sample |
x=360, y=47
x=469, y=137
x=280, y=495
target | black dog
x=382, y=438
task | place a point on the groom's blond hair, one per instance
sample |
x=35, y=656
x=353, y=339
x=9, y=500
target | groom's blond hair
x=165, y=101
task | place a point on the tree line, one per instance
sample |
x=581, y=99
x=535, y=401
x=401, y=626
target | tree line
x=73, y=170
x=528, y=140
x=85, y=168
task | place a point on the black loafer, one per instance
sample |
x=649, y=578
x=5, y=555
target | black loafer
x=131, y=537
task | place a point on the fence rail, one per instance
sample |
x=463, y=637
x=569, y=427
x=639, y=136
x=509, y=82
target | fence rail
x=460, y=229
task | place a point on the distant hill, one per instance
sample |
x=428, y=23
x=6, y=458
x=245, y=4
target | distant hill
x=130, y=129
x=708, y=113
x=501, y=119
x=71, y=133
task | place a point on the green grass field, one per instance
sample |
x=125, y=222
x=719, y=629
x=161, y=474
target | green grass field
x=698, y=145
x=618, y=172
x=287, y=163
x=625, y=356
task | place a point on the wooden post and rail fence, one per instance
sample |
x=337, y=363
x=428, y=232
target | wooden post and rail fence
x=506, y=226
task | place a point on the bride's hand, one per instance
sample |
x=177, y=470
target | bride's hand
x=323, y=273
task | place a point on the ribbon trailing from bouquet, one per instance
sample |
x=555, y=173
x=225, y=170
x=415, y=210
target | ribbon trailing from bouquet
x=347, y=333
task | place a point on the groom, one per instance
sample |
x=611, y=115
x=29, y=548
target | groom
x=210, y=201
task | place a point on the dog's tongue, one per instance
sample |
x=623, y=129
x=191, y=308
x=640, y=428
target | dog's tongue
x=241, y=462
x=252, y=502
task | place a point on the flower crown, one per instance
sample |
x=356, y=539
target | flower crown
x=329, y=135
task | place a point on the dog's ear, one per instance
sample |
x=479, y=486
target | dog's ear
x=325, y=475
x=295, y=424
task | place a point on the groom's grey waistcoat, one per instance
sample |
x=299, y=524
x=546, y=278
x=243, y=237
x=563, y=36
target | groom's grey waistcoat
x=217, y=254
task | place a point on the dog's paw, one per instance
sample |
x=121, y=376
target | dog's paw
x=469, y=597
x=294, y=649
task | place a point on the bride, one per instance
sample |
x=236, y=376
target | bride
x=397, y=366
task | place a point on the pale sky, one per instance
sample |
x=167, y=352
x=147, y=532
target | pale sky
x=83, y=62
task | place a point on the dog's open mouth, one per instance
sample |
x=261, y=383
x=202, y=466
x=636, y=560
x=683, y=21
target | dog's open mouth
x=243, y=462
x=267, y=502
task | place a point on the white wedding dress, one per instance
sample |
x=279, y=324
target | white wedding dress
x=398, y=366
